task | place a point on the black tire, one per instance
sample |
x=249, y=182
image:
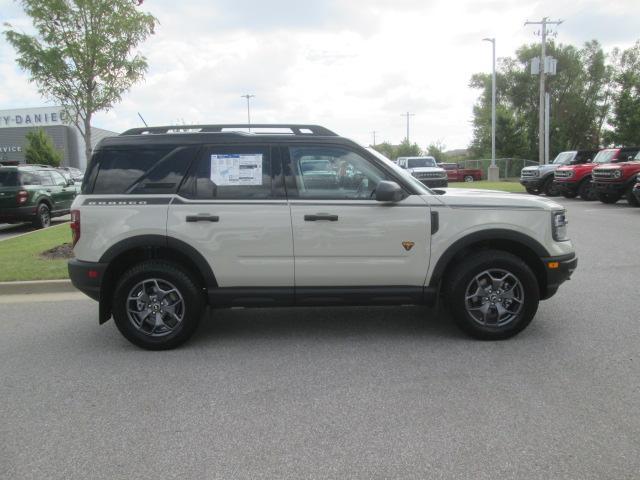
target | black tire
x=609, y=198
x=43, y=216
x=193, y=304
x=586, y=190
x=549, y=189
x=532, y=191
x=469, y=178
x=631, y=198
x=569, y=194
x=461, y=278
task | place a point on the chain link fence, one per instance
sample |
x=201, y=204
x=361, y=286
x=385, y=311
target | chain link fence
x=509, y=168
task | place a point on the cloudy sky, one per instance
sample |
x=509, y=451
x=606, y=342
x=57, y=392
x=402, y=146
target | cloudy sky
x=352, y=65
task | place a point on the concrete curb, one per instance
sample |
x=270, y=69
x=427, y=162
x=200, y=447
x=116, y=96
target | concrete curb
x=36, y=287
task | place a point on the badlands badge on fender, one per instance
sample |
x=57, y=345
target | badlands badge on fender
x=407, y=245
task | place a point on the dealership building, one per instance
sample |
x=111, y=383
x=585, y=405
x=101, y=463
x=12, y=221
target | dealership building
x=14, y=125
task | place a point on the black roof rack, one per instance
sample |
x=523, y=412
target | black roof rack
x=304, y=130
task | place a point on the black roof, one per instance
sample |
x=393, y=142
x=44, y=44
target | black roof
x=225, y=133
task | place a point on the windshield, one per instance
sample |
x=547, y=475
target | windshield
x=417, y=184
x=564, y=158
x=8, y=178
x=421, y=162
x=605, y=156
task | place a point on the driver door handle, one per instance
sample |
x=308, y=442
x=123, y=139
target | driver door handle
x=202, y=218
x=321, y=217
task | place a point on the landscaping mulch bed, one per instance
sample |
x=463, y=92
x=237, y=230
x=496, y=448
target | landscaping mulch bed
x=59, y=252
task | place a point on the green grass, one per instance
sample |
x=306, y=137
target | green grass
x=505, y=186
x=20, y=257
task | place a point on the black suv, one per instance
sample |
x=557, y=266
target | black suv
x=34, y=194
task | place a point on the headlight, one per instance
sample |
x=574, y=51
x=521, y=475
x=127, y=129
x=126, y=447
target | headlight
x=559, y=225
x=617, y=173
x=536, y=173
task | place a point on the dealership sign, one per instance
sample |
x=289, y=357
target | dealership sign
x=32, y=117
x=10, y=148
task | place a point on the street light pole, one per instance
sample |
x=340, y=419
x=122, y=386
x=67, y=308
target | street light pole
x=248, y=97
x=408, y=115
x=493, y=173
x=374, y=138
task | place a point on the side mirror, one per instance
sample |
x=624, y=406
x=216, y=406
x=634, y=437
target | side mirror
x=70, y=182
x=388, y=192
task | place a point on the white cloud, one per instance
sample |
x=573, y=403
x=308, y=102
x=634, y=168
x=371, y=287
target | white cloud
x=351, y=66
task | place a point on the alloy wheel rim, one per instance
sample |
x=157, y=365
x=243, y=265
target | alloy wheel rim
x=494, y=298
x=155, y=307
x=45, y=218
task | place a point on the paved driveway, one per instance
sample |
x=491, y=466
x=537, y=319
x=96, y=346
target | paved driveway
x=338, y=393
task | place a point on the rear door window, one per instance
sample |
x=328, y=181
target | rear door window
x=243, y=172
x=28, y=178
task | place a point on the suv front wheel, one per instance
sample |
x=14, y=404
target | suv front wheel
x=156, y=305
x=492, y=295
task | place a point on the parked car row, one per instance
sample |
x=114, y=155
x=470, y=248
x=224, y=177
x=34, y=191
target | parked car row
x=606, y=175
x=36, y=193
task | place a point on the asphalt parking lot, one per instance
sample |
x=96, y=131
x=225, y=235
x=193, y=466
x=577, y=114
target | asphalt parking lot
x=338, y=393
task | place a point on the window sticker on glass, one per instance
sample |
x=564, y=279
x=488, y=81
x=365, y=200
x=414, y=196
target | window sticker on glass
x=236, y=169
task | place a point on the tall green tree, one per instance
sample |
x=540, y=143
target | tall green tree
x=40, y=149
x=83, y=53
x=580, y=102
x=436, y=150
x=407, y=149
x=625, y=120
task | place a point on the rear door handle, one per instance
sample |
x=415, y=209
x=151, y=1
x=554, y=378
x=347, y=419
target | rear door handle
x=203, y=218
x=321, y=217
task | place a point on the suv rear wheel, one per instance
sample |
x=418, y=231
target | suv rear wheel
x=43, y=216
x=156, y=305
x=492, y=295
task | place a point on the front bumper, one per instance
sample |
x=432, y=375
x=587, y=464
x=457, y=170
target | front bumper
x=17, y=214
x=615, y=188
x=558, y=270
x=564, y=186
x=87, y=276
x=435, y=182
x=531, y=182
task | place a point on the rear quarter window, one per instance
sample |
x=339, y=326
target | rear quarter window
x=138, y=170
x=8, y=178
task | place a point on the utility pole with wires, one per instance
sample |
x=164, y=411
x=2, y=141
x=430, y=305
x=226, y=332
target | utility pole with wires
x=543, y=67
x=248, y=97
x=408, y=115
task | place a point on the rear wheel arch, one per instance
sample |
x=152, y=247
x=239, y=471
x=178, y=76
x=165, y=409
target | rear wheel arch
x=527, y=249
x=132, y=251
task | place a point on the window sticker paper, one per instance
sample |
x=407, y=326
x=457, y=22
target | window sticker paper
x=236, y=169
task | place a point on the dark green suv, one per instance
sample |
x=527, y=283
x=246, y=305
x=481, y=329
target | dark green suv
x=34, y=194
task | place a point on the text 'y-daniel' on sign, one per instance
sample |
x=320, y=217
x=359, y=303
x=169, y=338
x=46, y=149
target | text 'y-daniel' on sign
x=33, y=117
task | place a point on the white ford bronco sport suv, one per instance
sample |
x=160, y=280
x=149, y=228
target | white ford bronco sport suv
x=170, y=221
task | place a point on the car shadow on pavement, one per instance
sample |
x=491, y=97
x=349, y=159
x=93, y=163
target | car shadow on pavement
x=325, y=322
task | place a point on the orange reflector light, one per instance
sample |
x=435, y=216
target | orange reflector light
x=553, y=265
